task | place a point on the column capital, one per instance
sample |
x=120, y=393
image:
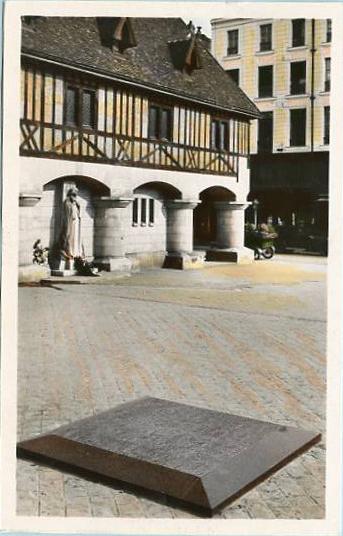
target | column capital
x=182, y=203
x=112, y=202
x=231, y=205
x=29, y=199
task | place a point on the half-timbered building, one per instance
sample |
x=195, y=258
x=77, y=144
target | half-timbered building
x=142, y=119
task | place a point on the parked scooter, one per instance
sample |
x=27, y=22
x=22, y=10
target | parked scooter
x=261, y=240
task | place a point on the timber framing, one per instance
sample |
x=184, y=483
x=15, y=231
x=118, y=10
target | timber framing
x=158, y=91
x=113, y=125
x=78, y=144
x=121, y=133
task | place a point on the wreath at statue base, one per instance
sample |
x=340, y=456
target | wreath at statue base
x=62, y=265
x=84, y=267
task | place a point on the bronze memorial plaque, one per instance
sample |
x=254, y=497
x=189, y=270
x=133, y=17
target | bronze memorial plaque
x=199, y=456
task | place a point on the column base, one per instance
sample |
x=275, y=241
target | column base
x=32, y=273
x=185, y=261
x=63, y=273
x=114, y=264
x=63, y=268
x=236, y=255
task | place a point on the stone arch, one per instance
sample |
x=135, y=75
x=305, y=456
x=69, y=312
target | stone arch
x=96, y=186
x=217, y=193
x=167, y=190
x=54, y=192
x=147, y=226
x=205, y=218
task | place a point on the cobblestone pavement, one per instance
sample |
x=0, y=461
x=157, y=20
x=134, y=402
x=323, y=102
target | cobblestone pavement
x=248, y=340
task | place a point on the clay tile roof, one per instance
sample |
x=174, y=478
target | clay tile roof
x=77, y=41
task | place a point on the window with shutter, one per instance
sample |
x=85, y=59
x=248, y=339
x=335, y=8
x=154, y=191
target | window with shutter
x=164, y=124
x=152, y=130
x=88, y=108
x=214, y=134
x=71, y=108
x=80, y=107
x=160, y=123
x=223, y=136
x=219, y=135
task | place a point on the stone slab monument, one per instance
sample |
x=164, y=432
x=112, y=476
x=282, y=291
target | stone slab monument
x=199, y=456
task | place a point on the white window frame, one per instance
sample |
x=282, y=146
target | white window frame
x=323, y=137
x=257, y=82
x=298, y=148
x=326, y=31
x=148, y=222
x=294, y=95
x=258, y=43
x=240, y=30
x=324, y=72
x=291, y=46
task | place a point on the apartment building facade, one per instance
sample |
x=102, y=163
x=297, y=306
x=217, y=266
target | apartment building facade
x=139, y=117
x=284, y=66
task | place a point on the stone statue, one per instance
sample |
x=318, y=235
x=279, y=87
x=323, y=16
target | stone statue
x=70, y=237
x=67, y=256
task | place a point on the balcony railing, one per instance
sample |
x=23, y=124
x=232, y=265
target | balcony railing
x=58, y=141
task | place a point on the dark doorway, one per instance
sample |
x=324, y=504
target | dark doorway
x=205, y=217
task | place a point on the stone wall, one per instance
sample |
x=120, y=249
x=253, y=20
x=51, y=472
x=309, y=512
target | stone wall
x=106, y=196
x=149, y=236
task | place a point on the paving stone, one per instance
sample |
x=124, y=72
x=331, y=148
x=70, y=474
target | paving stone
x=259, y=352
x=27, y=506
x=102, y=506
x=154, y=509
x=78, y=507
x=259, y=510
x=129, y=506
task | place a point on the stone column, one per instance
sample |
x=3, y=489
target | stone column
x=109, y=233
x=230, y=234
x=180, y=252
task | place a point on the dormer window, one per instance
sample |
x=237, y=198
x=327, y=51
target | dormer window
x=186, y=52
x=116, y=31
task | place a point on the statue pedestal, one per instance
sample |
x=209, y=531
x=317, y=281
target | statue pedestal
x=65, y=268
